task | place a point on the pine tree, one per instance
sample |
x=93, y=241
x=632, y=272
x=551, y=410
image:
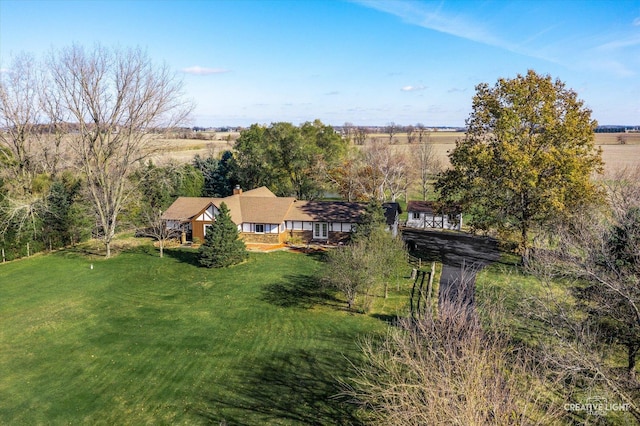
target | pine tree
x=222, y=247
x=372, y=218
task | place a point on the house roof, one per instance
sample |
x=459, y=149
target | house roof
x=431, y=207
x=265, y=210
x=263, y=191
x=421, y=206
x=325, y=211
x=260, y=205
x=184, y=208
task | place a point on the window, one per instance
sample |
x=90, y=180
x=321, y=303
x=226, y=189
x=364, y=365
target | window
x=259, y=229
x=320, y=231
x=206, y=228
x=415, y=215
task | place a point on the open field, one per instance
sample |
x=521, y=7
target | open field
x=615, y=154
x=143, y=340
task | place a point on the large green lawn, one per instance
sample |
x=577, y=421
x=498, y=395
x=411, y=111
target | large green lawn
x=143, y=340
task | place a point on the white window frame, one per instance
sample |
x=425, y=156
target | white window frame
x=415, y=215
x=320, y=231
x=205, y=227
x=255, y=229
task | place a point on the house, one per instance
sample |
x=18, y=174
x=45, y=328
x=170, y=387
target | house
x=427, y=214
x=392, y=216
x=262, y=217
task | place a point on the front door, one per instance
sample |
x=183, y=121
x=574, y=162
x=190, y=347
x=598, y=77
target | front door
x=320, y=231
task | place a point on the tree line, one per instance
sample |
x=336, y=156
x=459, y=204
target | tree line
x=78, y=128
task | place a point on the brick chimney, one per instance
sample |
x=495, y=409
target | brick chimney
x=237, y=190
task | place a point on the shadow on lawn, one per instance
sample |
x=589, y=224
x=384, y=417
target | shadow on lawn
x=189, y=256
x=295, y=387
x=301, y=291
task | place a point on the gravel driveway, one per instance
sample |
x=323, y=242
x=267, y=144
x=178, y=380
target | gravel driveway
x=461, y=255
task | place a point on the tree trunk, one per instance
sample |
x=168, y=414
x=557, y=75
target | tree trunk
x=524, y=243
x=632, y=351
x=161, y=247
x=107, y=245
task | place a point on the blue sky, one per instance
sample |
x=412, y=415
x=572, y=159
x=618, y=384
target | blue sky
x=365, y=62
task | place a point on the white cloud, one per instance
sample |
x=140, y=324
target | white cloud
x=431, y=15
x=198, y=70
x=620, y=44
x=413, y=88
x=636, y=22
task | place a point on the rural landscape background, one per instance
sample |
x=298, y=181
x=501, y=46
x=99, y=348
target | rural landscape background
x=615, y=154
x=519, y=121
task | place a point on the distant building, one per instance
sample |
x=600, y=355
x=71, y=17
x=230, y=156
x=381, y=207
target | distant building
x=427, y=214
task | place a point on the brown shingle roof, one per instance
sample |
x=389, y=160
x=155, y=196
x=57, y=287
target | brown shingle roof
x=421, y=206
x=184, y=208
x=263, y=191
x=325, y=211
x=265, y=210
x=258, y=205
x=432, y=207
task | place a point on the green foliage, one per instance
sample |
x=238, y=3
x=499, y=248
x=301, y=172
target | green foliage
x=289, y=160
x=371, y=260
x=371, y=219
x=623, y=243
x=219, y=174
x=527, y=156
x=222, y=246
x=161, y=185
x=56, y=221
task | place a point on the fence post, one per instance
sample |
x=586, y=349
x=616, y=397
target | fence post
x=430, y=286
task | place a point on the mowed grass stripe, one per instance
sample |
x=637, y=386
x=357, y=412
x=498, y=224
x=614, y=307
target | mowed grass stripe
x=143, y=340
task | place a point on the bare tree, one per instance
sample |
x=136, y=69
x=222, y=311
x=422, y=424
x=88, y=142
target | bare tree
x=156, y=228
x=120, y=100
x=57, y=129
x=348, y=131
x=425, y=165
x=360, y=135
x=345, y=176
x=411, y=134
x=19, y=119
x=371, y=177
x=391, y=129
x=597, y=253
x=397, y=171
x=448, y=369
x=385, y=171
x=421, y=131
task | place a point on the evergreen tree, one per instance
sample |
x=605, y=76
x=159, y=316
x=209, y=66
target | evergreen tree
x=222, y=247
x=55, y=226
x=219, y=174
x=371, y=219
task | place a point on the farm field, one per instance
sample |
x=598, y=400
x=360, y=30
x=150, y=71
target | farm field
x=143, y=340
x=615, y=154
